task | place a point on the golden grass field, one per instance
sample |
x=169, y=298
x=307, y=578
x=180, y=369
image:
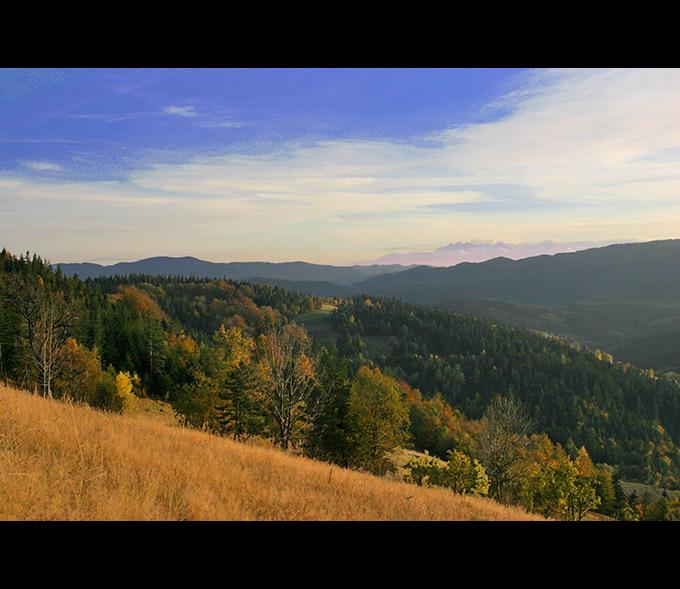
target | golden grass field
x=60, y=461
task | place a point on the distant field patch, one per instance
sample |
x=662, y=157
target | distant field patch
x=641, y=489
x=377, y=345
x=318, y=324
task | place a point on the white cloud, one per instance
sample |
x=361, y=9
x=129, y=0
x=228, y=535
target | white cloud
x=223, y=124
x=180, y=111
x=580, y=155
x=111, y=118
x=39, y=166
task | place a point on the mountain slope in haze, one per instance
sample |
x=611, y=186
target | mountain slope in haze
x=456, y=253
x=606, y=326
x=641, y=272
x=316, y=288
x=660, y=352
x=64, y=462
x=189, y=266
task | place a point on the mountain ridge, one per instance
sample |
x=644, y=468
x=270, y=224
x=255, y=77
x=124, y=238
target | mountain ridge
x=192, y=266
x=481, y=251
x=618, y=270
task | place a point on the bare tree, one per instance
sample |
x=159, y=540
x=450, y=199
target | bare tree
x=48, y=320
x=288, y=381
x=502, y=442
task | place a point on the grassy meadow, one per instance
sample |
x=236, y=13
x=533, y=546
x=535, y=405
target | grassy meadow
x=60, y=461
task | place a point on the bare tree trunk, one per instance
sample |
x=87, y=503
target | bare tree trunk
x=286, y=360
x=48, y=321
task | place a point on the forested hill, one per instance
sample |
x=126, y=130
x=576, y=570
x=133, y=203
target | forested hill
x=189, y=266
x=136, y=324
x=616, y=273
x=623, y=415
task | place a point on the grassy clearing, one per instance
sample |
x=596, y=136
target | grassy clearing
x=65, y=462
x=377, y=345
x=318, y=324
x=641, y=489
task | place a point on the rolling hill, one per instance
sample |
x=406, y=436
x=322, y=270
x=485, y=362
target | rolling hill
x=65, y=462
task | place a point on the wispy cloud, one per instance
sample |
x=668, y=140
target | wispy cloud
x=223, y=124
x=110, y=117
x=39, y=166
x=180, y=111
x=26, y=140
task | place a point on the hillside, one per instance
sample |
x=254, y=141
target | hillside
x=621, y=414
x=606, y=326
x=656, y=351
x=60, y=461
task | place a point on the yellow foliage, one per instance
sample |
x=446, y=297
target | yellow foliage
x=235, y=347
x=124, y=385
x=81, y=373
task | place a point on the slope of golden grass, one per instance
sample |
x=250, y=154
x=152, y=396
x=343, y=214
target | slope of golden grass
x=60, y=461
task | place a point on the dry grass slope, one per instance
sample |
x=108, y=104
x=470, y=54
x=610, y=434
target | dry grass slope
x=59, y=461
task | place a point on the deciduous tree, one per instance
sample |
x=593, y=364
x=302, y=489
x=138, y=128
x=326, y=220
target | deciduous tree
x=502, y=442
x=287, y=382
x=379, y=416
x=48, y=320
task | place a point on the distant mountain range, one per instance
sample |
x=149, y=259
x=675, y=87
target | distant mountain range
x=607, y=296
x=633, y=272
x=188, y=266
x=456, y=253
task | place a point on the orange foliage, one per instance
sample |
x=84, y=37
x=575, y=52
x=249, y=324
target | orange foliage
x=141, y=301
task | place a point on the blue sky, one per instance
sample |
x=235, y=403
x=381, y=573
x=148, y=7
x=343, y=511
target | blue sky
x=100, y=124
x=332, y=165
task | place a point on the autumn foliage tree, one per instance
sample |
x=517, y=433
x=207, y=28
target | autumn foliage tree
x=379, y=416
x=81, y=373
x=238, y=411
x=436, y=426
x=557, y=486
x=461, y=473
x=221, y=394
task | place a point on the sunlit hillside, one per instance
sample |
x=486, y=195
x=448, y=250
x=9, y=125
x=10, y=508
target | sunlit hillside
x=62, y=461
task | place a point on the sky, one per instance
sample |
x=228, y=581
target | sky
x=332, y=165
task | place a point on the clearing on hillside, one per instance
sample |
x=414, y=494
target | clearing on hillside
x=318, y=324
x=61, y=461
